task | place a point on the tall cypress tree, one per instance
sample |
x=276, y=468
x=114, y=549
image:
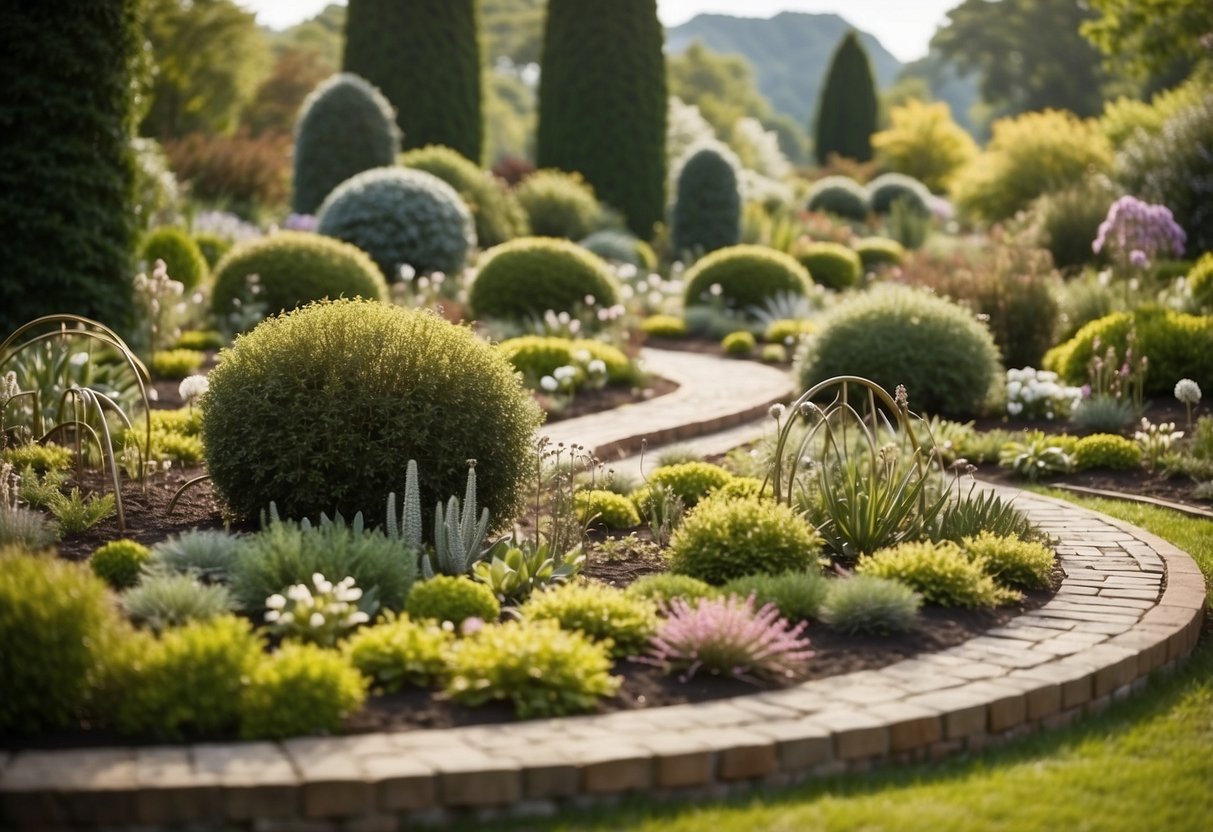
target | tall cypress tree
x=602, y=102
x=846, y=112
x=424, y=55
x=66, y=168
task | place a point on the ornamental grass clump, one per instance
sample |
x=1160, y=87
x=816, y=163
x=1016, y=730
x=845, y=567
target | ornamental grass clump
x=208, y=554
x=940, y=572
x=452, y=598
x=163, y=600
x=400, y=652
x=797, y=595
x=869, y=605
x=602, y=613
x=727, y=637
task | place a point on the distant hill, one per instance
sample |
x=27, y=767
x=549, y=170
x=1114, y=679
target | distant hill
x=790, y=53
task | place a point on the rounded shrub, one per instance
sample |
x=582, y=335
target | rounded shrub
x=707, y=208
x=55, y=618
x=723, y=538
x=877, y=252
x=774, y=354
x=179, y=252
x=292, y=268
x=739, y=343
x=452, y=598
x=1107, y=450
x=894, y=335
x=346, y=126
x=622, y=247
x=690, y=481
x=664, y=326
x=1067, y=221
x=176, y=364
x=870, y=606
x=496, y=211
x=663, y=587
x=400, y=652
x=558, y=204
x=747, y=275
x=41, y=458
x=536, y=356
x=788, y=330
x=401, y=218
x=119, y=562
x=212, y=246
x=1023, y=564
x=300, y=689
x=600, y=612
x=888, y=188
x=606, y=508
x=940, y=572
x=841, y=196
x=526, y=277
x=832, y=265
x=320, y=408
x=796, y=594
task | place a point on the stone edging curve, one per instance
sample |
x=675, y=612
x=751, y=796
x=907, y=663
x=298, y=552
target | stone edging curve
x=1130, y=604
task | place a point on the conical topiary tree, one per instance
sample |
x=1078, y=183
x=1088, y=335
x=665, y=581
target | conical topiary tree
x=846, y=112
x=425, y=56
x=602, y=103
x=67, y=171
x=345, y=126
x=707, y=212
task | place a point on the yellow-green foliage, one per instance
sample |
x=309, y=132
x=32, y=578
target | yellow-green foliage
x=301, y=689
x=179, y=252
x=526, y=277
x=774, y=353
x=740, y=342
x=1200, y=281
x=1107, y=450
x=875, y=252
x=185, y=450
x=400, y=652
x=796, y=594
x=1029, y=155
x=176, y=364
x=663, y=587
x=601, y=612
x=940, y=572
x=536, y=356
x=118, y=562
x=663, y=326
x=780, y=331
x=452, y=598
x=208, y=339
x=747, y=276
x=535, y=665
x=923, y=141
x=691, y=481
x=606, y=508
x=741, y=487
x=868, y=605
x=1023, y=564
x=186, y=421
x=55, y=620
x=41, y=458
x=1123, y=117
x=558, y=204
x=832, y=265
x=725, y=538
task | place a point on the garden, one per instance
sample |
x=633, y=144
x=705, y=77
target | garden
x=274, y=458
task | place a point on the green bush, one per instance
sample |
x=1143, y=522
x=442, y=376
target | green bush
x=40, y=458
x=663, y=587
x=939, y=572
x=740, y=343
x=606, y=508
x=707, y=208
x=400, y=652
x=1067, y=222
x=212, y=246
x=747, y=276
x=780, y=331
x=870, y=606
x=741, y=487
x=526, y=277
x=535, y=665
x=1022, y=564
x=894, y=335
x=663, y=326
x=286, y=553
x=165, y=600
x=345, y=126
x=1200, y=281
x=401, y=218
x=536, y=356
x=290, y=417
x=840, y=196
x=832, y=265
x=875, y=252
x=201, y=339
x=1107, y=450
x=300, y=689
x=599, y=612
x=558, y=204
x=774, y=354
x=888, y=188
x=1102, y=414
x=55, y=619
x=722, y=539
x=797, y=594
x=453, y=599
x=290, y=269
x=622, y=247
x=176, y=364
x=119, y=562
x=691, y=481
x=180, y=254
x=496, y=211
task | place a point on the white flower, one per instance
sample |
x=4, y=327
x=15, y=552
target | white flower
x=1014, y=408
x=597, y=367
x=272, y=615
x=316, y=621
x=550, y=384
x=715, y=289
x=565, y=373
x=589, y=300
x=192, y=387
x=1187, y=391
x=323, y=586
x=775, y=411
x=275, y=602
x=627, y=271
x=79, y=359
x=407, y=272
x=299, y=593
x=356, y=618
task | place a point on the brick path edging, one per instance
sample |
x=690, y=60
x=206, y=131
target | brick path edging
x=1112, y=624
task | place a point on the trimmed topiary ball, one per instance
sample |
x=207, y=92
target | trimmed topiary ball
x=119, y=562
x=321, y=408
x=747, y=275
x=841, y=196
x=740, y=343
x=888, y=188
x=893, y=335
x=726, y=538
x=707, y=209
x=452, y=598
x=346, y=126
x=1107, y=450
x=526, y=277
x=213, y=247
x=180, y=254
x=498, y=215
x=293, y=268
x=401, y=218
x=832, y=265
x=875, y=252
x=664, y=326
x=558, y=204
x=300, y=689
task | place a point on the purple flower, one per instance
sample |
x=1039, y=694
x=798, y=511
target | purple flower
x=1137, y=232
x=299, y=222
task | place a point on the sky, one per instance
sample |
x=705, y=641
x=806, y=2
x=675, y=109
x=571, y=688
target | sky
x=903, y=26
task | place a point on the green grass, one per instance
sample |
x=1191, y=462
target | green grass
x=1144, y=764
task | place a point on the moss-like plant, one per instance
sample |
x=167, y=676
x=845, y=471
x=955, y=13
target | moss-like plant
x=663, y=587
x=621, y=247
x=840, y=196
x=1107, y=450
x=740, y=343
x=606, y=508
x=119, y=562
x=38, y=457
x=176, y=364
x=601, y=612
x=690, y=481
x=300, y=689
x=940, y=572
x=1023, y=564
x=452, y=598
x=400, y=652
x=875, y=252
x=888, y=188
x=664, y=326
x=498, y=215
x=526, y=277
x=536, y=356
x=707, y=208
x=747, y=275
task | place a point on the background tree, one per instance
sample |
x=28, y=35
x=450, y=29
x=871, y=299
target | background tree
x=721, y=86
x=275, y=105
x=923, y=141
x=209, y=57
x=846, y=117
x=66, y=115
x=602, y=103
x=425, y=57
x=1144, y=37
x=512, y=29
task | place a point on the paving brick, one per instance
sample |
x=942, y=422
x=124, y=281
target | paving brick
x=800, y=744
x=171, y=791
x=256, y=779
x=857, y=734
x=742, y=754
x=471, y=779
x=608, y=769
x=910, y=726
x=681, y=760
x=402, y=782
x=334, y=786
x=963, y=713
